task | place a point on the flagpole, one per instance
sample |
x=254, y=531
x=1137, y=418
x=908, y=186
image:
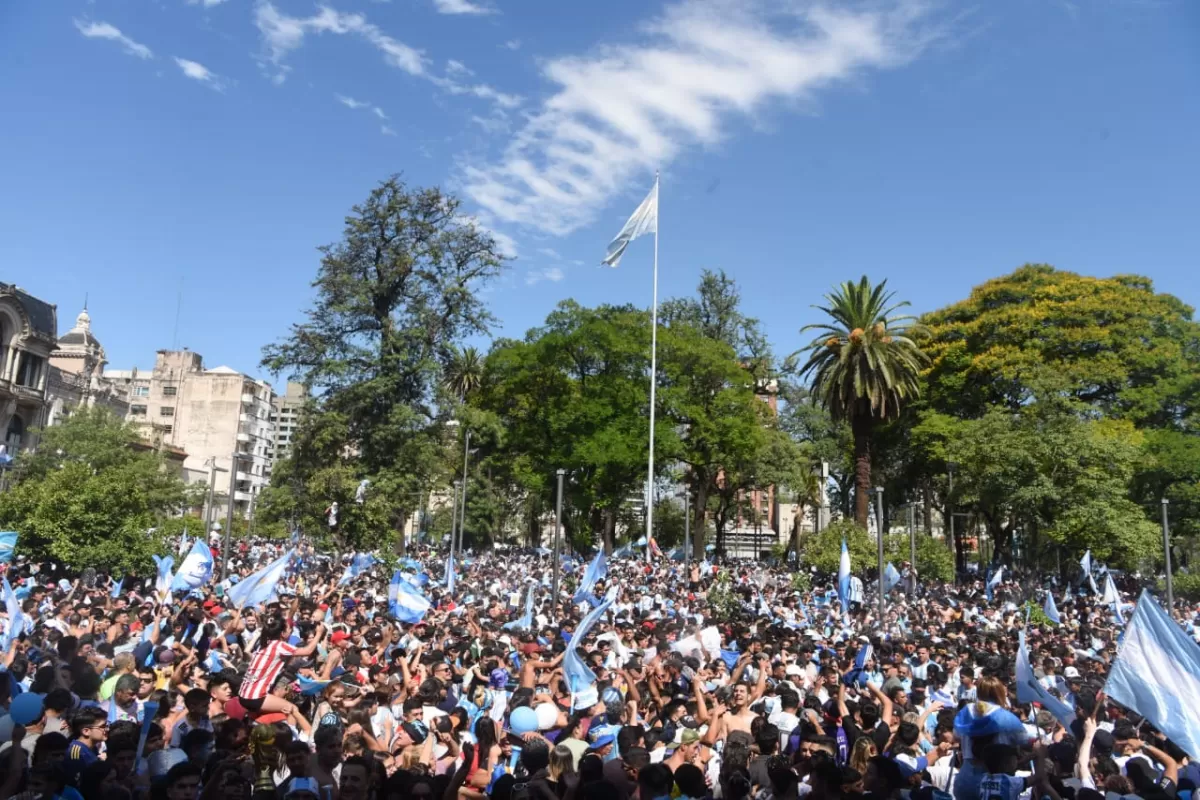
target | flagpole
x=653, y=383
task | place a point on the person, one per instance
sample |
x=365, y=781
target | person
x=195, y=716
x=255, y=692
x=89, y=729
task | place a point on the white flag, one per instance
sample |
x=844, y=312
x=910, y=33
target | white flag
x=643, y=221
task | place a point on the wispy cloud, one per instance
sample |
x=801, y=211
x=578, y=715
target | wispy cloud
x=386, y=130
x=198, y=72
x=377, y=111
x=102, y=30
x=458, y=69
x=461, y=7
x=206, y=3
x=513, y=44
x=549, y=252
x=497, y=123
x=552, y=274
x=350, y=102
x=283, y=34
x=624, y=110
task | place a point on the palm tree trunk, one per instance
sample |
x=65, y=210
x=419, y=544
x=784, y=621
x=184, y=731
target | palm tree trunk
x=861, y=426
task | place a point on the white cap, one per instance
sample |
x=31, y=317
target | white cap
x=1071, y=672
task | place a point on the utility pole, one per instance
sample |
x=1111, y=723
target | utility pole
x=687, y=525
x=1167, y=557
x=453, y=519
x=462, y=525
x=228, y=513
x=879, y=529
x=212, y=486
x=556, y=560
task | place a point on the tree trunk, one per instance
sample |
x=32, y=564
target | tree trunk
x=927, y=506
x=699, y=513
x=610, y=528
x=401, y=523
x=797, y=524
x=861, y=426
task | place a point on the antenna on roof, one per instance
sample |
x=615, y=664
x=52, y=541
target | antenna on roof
x=85, y=299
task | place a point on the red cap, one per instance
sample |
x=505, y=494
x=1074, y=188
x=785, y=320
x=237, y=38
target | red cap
x=339, y=637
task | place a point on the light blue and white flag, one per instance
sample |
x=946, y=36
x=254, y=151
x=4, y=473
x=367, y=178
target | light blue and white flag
x=1030, y=690
x=1051, y=610
x=162, y=584
x=1085, y=564
x=8, y=543
x=844, y=577
x=196, y=570
x=987, y=719
x=591, y=576
x=994, y=580
x=624, y=551
x=1157, y=674
x=865, y=654
x=891, y=577
x=16, y=618
x=1111, y=596
x=185, y=544
x=359, y=564
x=525, y=621
x=579, y=676
x=258, y=588
x=405, y=601
x=643, y=221
x=117, y=588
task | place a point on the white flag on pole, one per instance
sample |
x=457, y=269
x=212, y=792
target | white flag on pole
x=643, y=221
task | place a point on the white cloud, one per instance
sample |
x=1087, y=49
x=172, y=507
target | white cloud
x=458, y=69
x=549, y=252
x=552, y=274
x=377, y=111
x=505, y=244
x=386, y=131
x=461, y=7
x=497, y=123
x=206, y=3
x=282, y=34
x=624, y=110
x=102, y=30
x=198, y=72
x=350, y=102
x=513, y=44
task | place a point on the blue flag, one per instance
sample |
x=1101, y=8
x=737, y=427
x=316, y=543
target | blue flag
x=162, y=584
x=1085, y=564
x=1029, y=690
x=591, y=576
x=860, y=665
x=359, y=564
x=994, y=579
x=310, y=687
x=579, y=675
x=258, y=588
x=730, y=657
x=16, y=618
x=1157, y=674
x=624, y=551
x=8, y=543
x=196, y=570
x=1051, y=610
x=844, y=578
x=891, y=577
x=405, y=601
x=117, y=588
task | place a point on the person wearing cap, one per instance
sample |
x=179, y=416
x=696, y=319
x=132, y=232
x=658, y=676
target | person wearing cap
x=687, y=751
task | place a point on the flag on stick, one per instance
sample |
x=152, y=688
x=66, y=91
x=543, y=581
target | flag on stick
x=643, y=221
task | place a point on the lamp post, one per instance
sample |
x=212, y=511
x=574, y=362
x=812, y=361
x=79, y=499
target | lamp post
x=233, y=465
x=951, y=466
x=1167, y=557
x=462, y=525
x=556, y=561
x=879, y=525
x=453, y=519
x=912, y=536
x=687, y=525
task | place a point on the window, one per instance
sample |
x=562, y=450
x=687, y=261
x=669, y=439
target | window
x=166, y=429
x=141, y=391
x=137, y=411
x=166, y=411
x=169, y=391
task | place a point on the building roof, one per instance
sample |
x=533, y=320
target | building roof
x=42, y=315
x=80, y=338
x=222, y=370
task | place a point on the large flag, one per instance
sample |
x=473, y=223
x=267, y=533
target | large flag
x=994, y=580
x=1029, y=690
x=579, y=676
x=162, y=584
x=1051, y=610
x=591, y=576
x=16, y=618
x=1111, y=596
x=1085, y=564
x=8, y=543
x=643, y=221
x=405, y=601
x=844, y=577
x=1157, y=674
x=258, y=588
x=196, y=570
x=359, y=564
x=525, y=621
x=891, y=577
x=865, y=653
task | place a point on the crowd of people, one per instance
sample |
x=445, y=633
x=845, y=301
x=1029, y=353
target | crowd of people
x=658, y=680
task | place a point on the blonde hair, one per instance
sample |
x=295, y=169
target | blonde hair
x=864, y=750
x=990, y=689
x=562, y=762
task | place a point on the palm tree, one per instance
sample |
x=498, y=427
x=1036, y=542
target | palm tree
x=464, y=372
x=864, y=366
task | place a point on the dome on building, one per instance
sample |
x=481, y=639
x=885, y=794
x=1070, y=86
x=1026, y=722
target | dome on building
x=80, y=338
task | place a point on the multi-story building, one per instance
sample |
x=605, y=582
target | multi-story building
x=28, y=331
x=286, y=416
x=219, y=416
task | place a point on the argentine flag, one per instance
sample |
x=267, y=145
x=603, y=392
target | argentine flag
x=8, y=543
x=162, y=584
x=1157, y=674
x=16, y=618
x=1085, y=564
x=994, y=581
x=405, y=601
x=259, y=587
x=891, y=577
x=196, y=570
x=595, y=571
x=844, y=578
x=987, y=719
x=450, y=575
x=1029, y=690
x=579, y=676
x=1051, y=610
x=525, y=621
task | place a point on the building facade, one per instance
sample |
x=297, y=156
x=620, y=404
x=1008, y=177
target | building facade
x=221, y=418
x=28, y=333
x=76, y=375
x=286, y=417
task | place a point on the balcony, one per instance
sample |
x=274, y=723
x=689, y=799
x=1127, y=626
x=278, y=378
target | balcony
x=242, y=436
x=248, y=419
x=242, y=497
x=248, y=399
x=243, y=476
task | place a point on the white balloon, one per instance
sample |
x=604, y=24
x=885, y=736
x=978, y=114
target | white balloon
x=547, y=716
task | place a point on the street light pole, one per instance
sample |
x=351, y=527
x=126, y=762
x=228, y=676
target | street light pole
x=912, y=537
x=453, y=519
x=1167, y=557
x=556, y=563
x=950, y=467
x=879, y=524
x=687, y=525
x=462, y=525
x=233, y=463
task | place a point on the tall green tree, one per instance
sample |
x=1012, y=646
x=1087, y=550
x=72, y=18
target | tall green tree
x=89, y=495
x=865, y=366
x=464, y=371
x=394, y=300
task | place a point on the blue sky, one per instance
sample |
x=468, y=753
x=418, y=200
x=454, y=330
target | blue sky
x=154, y=144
